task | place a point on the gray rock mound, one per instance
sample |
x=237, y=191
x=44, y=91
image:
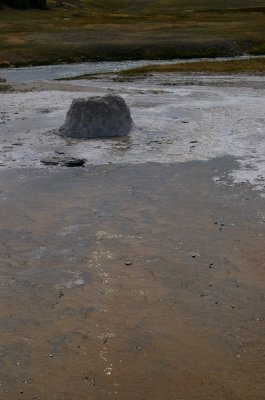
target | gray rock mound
x=96, y=117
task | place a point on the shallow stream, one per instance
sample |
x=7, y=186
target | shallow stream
x=49, y=72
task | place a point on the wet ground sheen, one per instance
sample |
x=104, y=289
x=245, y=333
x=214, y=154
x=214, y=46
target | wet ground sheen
x=131, y=282
x=177, y=118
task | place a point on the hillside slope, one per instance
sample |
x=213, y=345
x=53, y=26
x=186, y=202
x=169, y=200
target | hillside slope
x=116, y=29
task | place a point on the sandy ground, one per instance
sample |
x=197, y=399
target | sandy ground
x=141, y=275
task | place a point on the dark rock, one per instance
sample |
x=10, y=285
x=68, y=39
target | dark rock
x=96, y=117
x=2, y=80
x=50, y=161
x=73, y=162
x=44, y=111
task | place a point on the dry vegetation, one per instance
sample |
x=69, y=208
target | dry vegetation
x=5, y=88
x=115, y=29
x=252, y=66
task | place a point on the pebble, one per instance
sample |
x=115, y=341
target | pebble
x=49, y=161
x=74, y=162
x=68, y=162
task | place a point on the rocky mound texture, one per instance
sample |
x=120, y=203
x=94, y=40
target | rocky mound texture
x=96, y=117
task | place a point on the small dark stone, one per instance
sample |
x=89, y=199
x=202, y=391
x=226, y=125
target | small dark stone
x=50, y=161
x=44, y=111
x=74, y=162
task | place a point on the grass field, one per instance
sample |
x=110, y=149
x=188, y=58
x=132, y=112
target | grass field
x=116, y=30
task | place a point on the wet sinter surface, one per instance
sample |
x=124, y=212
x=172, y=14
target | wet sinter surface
x=131, y=281
x=176, y=119
x=141, y=275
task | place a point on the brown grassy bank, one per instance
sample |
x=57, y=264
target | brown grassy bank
x=252, y=66
x=5, y=88
x=116, y=30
